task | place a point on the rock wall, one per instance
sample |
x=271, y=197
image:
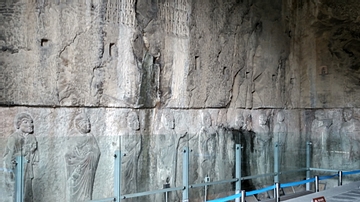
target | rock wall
x=151, y=77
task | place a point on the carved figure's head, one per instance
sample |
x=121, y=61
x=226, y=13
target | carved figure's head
x=206, y=119
x=280, y=117
x=348, y=114
x=262, y=119
x=319, y=114
x=168, y=120
x=82, y=124
x=133, y=120
x=239, y=121
x=24, y=122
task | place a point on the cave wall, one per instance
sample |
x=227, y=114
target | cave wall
x=195, y=73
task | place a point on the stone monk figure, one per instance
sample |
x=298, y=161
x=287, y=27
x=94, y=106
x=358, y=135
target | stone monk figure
x=349, y=135
x=81, y=162
x=22, y=142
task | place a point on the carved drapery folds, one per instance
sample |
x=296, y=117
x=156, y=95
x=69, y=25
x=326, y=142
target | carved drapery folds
x=22, y=143
x=81, y=160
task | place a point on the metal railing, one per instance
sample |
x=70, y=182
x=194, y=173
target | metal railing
x=239, y=193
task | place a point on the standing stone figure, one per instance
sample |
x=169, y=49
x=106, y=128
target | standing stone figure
x=208, y=145
x=81, y=160
x=244, y=136
x=167, y=139
x=22, y=143
x=131, y=145
x=280, y=136
x=262, y=144
x=320, y=133
x=348, y=134
x=166, y=155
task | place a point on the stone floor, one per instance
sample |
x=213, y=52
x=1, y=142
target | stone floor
x=346, y=193
x=352, y=195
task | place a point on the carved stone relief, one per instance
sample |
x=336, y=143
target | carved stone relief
x=113, y=11
x=120, y=11
x=349, y=135
x=280, y=136
x=131, y=144
x=208, y=140
x=81, y=160
x=262, y=144
x=320, y=132
x=127, y=13
x=166, y=154
x=21, y=142
x=175, y=17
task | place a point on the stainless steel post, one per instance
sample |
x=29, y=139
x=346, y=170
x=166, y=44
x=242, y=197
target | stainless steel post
x=19, y=178
x=185, y=193
x=340, y=173
x=276, y=163
x=238, y=170
x=166, y=186
x=117, y=175
x=316, y=183
x=308, y=163
x=243, y=195
x=277, y=192
x=205, y=194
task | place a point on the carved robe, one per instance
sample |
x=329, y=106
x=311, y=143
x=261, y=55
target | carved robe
x=25, y=145
x=81, y=164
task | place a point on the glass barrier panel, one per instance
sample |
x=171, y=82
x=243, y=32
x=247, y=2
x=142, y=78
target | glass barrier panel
x=212, y=159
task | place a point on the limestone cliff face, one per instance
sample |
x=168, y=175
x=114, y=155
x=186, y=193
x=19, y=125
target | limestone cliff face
x=205, y=74
x=180, y=54
x=324, y=54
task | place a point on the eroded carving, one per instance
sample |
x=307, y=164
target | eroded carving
x=280, y=135
x=22, y=142
x=175, y=17
x=320, y=132
x=169, y=154
x=127, y=14
x=262, y=143
x=208, y=140
x=121, y=11
x=112, y=12
x=166, y=153
x=131, y=145
x=81, y=160
x=348, y=133
x=2, y=87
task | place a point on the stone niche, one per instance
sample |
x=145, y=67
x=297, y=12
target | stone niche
x=82, y=79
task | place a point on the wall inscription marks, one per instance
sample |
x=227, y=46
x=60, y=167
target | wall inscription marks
x=121, y=12
x=175, y=16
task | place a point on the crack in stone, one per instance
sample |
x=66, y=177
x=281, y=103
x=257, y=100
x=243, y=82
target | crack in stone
x=69, y=44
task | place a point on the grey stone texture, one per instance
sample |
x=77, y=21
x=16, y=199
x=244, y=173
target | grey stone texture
x=155, y=76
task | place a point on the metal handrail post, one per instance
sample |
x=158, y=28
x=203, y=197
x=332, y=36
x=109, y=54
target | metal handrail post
x=340, y=173
x=185, y=194
x=238, y=170
x=277, y=192
x=243, y=195
x=276, y=163
x=117, y=175
x=316, y=183
x=19, y=178
x=308, y=163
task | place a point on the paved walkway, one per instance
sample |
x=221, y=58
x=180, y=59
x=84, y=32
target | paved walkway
x=346, y=193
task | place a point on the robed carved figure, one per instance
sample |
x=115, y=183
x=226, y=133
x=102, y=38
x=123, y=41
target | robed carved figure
x=81, y=160
x=22, y=143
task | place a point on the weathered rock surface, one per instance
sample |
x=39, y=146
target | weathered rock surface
x=155, y=76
